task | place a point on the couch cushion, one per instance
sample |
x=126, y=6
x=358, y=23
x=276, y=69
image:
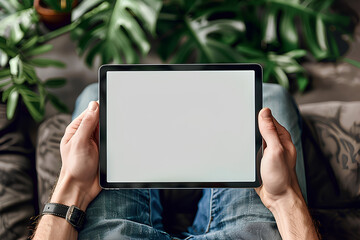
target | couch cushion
x=333, y=170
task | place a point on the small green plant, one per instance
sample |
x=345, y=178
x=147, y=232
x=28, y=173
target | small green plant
x=20, y=44
x=59, y=5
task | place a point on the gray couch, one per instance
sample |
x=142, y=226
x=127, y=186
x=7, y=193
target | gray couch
x=331, y=142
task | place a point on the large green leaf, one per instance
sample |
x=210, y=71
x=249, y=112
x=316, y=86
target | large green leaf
x=116, y=29
x=84, y=7
x=201, y=32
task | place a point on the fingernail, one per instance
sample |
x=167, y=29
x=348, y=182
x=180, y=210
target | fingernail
x=266, y=113
x=92, y=106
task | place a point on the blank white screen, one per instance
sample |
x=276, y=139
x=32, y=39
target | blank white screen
x=180, y=126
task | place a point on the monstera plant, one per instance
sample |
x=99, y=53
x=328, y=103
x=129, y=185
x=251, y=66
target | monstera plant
x=278, y=34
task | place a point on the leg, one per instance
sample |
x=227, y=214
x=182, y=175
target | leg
x=239, y=213
x=120, y=214
x=90, y=93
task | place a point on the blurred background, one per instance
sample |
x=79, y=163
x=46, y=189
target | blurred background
x=50, y=50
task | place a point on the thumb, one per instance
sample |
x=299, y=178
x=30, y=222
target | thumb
x=90, y=121
x=267, y=128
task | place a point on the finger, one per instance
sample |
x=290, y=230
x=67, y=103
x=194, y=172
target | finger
x=89, y=121
x=268, y=129
x=72, y=127
x=284, y=135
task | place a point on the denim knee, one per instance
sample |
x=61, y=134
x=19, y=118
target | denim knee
x=90, y=93
x=277, y=90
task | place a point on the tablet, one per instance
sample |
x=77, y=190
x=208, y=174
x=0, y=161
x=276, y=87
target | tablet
x=180, y=126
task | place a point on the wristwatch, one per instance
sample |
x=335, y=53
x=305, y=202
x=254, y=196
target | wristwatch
x=72, y=214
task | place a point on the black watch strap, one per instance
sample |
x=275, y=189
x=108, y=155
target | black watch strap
x=72, y=214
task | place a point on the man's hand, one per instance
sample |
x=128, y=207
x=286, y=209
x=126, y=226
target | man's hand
x=80, y=154
x=78, y=183
x=280, y=191
x=278, y=162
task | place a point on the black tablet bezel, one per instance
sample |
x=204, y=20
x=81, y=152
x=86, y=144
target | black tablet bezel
x=177, y=67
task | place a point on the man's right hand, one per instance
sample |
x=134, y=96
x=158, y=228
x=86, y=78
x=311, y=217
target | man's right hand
x=278, y=162
x=280, y=191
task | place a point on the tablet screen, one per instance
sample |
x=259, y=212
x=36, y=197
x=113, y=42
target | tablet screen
x=180, y=126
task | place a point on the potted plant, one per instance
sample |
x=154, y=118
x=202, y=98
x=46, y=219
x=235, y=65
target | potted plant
x=21, y=43
x=55, y=13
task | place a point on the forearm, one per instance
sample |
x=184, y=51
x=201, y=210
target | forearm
x=53, y=227
x=293, y=218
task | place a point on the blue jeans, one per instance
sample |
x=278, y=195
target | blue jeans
x=222, y=213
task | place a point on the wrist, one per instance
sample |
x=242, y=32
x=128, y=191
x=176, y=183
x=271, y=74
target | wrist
x=287, y=201
x=292, y=217
x=69, y=194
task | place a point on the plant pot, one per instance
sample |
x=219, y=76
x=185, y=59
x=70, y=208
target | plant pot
x=52, y=18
